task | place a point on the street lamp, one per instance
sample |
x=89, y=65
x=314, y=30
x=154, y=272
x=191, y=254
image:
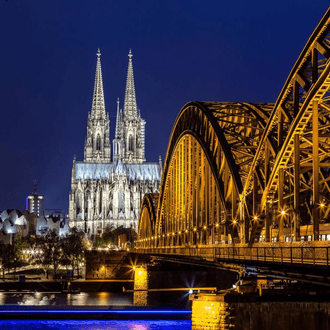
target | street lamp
x=14, y=269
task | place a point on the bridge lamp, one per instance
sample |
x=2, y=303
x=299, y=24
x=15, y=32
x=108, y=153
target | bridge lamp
x=322, y=204
x=168, y=234
x=163, y=235
x=204, y=227
x=195, y=229
x=283, y=212
x=190, y=291
x=217, y=225
x=179, y=232
x=173, y=234
x=234, y=222
x=255, y=218
x=186, y=230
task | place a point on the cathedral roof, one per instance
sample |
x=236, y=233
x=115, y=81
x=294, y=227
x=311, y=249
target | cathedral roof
x=96, y=171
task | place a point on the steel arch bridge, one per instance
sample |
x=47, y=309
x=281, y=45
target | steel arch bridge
x=248, y=172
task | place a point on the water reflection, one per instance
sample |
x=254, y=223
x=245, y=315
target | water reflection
x=95, y=325
x=63, y=299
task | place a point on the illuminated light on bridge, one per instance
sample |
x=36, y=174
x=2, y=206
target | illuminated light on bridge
x=250, y=163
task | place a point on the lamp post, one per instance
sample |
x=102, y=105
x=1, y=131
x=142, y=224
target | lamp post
x=14, y=269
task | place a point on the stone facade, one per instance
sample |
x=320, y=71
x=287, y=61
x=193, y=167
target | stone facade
x=104, y=193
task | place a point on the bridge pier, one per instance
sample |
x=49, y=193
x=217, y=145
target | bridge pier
x=141, y=286
x=232, y=310
x=168, y=284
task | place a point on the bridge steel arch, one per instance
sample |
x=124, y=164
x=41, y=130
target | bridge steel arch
x=248, y=172
x=294, y=182
x=147, y=218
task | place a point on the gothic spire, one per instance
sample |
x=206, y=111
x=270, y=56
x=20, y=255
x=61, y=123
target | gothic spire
x=117, y=121
x=130, y=107
x=98, y=107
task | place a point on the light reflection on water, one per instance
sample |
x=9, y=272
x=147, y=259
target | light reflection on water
x=95, y=325
x=82, y=299
x=63, y=299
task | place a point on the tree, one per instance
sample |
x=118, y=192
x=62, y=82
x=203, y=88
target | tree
x=49, y=252
x=73, y=248
x=8, y=256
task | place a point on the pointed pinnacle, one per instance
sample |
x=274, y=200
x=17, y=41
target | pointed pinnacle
x=98, y=53
x=130, y=55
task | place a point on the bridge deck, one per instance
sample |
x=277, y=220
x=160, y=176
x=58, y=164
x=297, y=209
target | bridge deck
x=299, y=260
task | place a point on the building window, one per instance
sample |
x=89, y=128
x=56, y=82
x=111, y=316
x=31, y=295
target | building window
x=98, y=142
x=130, y=143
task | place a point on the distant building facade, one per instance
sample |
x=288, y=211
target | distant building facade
x=35, y=202
x=104, y=193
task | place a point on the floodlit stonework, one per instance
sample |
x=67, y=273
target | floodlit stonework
x=105, y=193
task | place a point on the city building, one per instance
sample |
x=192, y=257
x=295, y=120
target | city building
x=104, y=193
x=35, y=202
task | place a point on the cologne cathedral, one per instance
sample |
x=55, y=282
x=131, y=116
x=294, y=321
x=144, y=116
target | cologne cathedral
x=107, y=193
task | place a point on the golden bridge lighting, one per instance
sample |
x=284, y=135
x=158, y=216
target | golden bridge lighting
x=201, y=188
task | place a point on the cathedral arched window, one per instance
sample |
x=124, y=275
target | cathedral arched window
x=130, y=143
x=98, y=142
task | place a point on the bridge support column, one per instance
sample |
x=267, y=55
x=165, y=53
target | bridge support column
x=267, y=223
x=230, y=310
x=296, y=188
x=316, y=210
x=280, y=205
x=141, y=286
x=210, y=312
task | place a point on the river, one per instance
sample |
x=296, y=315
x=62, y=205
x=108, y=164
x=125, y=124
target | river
x=99, y=299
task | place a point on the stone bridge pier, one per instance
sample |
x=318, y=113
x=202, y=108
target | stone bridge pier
x=232, y=310
x=167, y=284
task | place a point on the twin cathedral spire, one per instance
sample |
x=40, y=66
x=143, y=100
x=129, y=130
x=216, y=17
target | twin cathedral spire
x=128, y=145
x=108, y=192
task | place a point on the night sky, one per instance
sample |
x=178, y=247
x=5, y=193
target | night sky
x=183, y=51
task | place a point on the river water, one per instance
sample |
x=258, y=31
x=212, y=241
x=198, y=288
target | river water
x=100, y=299
x=61, y=299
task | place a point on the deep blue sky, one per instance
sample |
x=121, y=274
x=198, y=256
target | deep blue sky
x=183, y=51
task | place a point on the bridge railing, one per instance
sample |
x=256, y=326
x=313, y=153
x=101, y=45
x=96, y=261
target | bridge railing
x=312, y=256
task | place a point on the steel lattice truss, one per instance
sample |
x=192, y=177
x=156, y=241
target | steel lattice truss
x=242, y=170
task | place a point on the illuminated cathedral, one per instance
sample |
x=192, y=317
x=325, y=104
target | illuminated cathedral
x=107, y=193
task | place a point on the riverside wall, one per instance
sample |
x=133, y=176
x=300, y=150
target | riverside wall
x=229, y=310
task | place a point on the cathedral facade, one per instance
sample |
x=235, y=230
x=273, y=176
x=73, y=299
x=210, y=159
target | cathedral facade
x=107, y=193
